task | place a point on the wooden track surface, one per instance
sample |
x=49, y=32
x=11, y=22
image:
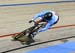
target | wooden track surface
x=23, y=1
x=15, y=19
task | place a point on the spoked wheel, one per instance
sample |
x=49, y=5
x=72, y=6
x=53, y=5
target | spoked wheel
x=20, y=36
x=23, y=36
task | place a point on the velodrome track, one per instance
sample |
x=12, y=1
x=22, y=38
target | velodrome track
x=15, y=19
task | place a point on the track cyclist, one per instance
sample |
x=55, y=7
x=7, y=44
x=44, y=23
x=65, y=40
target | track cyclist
x=48, y=17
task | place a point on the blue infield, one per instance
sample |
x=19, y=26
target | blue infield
x=68, y=47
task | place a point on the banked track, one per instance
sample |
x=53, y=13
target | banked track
x=40, y=42
x=5, y=5
x=51, y=28
x=43, y=41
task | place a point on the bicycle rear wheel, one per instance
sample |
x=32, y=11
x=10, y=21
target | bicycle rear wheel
x=20, y=35
x=23, y=35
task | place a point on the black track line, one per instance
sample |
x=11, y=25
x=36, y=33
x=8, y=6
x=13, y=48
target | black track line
x=23, y=4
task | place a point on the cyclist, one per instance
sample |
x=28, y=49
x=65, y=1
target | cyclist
x=48, y=17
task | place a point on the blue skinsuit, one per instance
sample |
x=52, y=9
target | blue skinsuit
x=50, y=22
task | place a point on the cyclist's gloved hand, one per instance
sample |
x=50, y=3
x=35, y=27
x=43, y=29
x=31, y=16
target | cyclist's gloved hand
x=30, y=21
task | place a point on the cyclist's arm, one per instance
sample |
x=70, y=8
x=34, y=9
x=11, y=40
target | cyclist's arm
x=39, y=15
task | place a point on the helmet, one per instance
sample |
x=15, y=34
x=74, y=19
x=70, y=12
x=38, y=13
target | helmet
x=48, y=15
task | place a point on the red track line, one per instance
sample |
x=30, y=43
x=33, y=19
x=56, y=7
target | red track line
x=63, y=26
x=8, y=35
x=51, y=28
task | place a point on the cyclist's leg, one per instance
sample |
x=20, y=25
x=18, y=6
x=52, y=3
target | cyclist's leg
x=55, y=22
x=31, y=33
x=30, y=39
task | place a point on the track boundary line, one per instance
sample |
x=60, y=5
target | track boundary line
x=38, y=44
x=35, y=3
x=2, y=36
